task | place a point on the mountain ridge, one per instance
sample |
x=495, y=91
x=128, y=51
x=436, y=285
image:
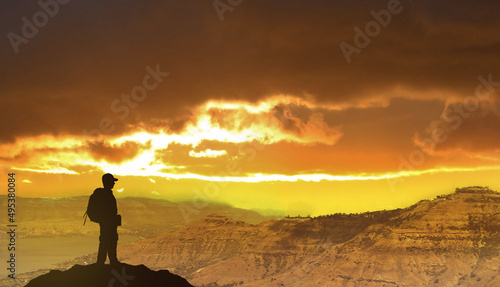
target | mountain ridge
x=433, y=240
x=142, y=217
x=450, y=240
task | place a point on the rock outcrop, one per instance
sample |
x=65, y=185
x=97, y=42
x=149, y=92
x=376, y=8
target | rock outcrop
x=105, y=276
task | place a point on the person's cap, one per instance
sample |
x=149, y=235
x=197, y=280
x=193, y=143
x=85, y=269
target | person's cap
x=108, y=177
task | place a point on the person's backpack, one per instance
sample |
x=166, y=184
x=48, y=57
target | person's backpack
x=93, y=208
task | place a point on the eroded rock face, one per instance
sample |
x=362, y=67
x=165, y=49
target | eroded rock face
x=105, y=275
x=451, y=240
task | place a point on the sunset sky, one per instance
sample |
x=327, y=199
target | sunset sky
x=256, y=104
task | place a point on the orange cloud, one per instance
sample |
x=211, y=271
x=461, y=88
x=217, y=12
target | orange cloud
x=208, y=153
x=294, y=129
x=136, y=153
x=115, y=153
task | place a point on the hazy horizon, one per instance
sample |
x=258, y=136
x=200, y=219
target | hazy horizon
x=197, y=204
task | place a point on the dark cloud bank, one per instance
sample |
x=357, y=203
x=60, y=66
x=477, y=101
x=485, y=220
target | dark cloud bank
x=64, y=79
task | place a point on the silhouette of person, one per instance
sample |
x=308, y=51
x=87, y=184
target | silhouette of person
x=108, y=223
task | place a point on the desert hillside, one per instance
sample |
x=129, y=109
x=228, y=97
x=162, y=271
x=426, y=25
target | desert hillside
x=449, y=241
x=452, y=240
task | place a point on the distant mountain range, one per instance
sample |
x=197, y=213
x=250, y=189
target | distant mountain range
x=453, y=240
x=143, y=217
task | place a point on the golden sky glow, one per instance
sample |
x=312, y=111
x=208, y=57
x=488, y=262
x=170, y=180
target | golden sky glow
x=259, y=111
x=248, y=127
x=236, y=142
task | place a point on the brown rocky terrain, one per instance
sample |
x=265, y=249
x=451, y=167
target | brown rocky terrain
x=452, y=240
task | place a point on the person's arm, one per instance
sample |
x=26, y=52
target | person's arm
x=115, y=208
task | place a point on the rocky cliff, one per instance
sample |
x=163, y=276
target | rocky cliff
x=449, y=241
x=452, y=240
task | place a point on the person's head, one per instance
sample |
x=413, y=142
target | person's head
x=108, y=180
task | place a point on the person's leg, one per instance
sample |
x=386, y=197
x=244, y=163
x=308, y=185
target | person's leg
x=112, y=247
x=112, y=253
x=101, y=255
x=103, y=249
